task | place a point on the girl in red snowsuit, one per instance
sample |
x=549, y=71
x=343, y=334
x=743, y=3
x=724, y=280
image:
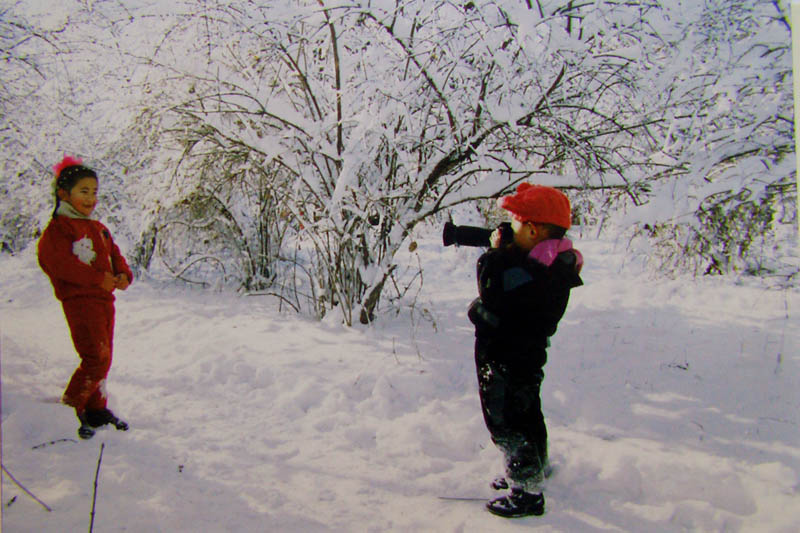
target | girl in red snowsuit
x=85, y=267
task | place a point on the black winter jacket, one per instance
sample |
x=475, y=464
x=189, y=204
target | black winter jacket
x=521, y=302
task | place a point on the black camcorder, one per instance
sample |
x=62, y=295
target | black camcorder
x=475, y=236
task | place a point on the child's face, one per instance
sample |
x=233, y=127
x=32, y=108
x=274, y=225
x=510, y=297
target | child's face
x=82, y=196
x=526, y=234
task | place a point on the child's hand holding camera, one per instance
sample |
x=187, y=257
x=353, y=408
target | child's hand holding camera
x=502, y=236
x=496, y=238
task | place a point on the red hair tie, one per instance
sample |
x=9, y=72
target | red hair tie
x=68, y=161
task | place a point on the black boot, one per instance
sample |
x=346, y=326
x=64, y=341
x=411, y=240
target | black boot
x=517, y=503
x=102, y=417
x=85, y=431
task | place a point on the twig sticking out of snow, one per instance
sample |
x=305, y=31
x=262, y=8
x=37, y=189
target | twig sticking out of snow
x=94, y=494
x=44, y=444
x=29, y=493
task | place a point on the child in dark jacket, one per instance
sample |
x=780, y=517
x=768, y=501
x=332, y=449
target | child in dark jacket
x=524, y=288
x=85, y=267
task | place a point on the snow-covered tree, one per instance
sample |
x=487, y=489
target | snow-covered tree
x=23, y=78
x=721, y=73
x=66, y=88
x=293, y=146
x=373, y=117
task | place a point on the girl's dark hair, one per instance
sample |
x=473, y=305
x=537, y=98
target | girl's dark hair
x=68, y=172
x=69, y=176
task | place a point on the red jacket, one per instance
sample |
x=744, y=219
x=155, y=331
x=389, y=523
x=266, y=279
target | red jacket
x=75, y=254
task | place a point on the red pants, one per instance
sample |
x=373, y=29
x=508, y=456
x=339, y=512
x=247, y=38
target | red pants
x=91, y=323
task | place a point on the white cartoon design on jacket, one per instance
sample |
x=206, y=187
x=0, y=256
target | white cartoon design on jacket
x=84, y=250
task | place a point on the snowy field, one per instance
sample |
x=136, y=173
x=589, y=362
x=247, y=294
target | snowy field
x=672, y=405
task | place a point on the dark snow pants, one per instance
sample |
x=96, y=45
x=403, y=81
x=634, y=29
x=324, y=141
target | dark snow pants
x=512, y=410
x=91, y=323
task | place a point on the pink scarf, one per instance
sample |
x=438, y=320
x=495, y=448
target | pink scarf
x=546, y=251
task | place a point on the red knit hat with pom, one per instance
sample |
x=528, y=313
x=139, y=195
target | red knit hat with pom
x=538, y=203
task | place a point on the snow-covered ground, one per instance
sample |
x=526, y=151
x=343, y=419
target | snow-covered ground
x=672, y=405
